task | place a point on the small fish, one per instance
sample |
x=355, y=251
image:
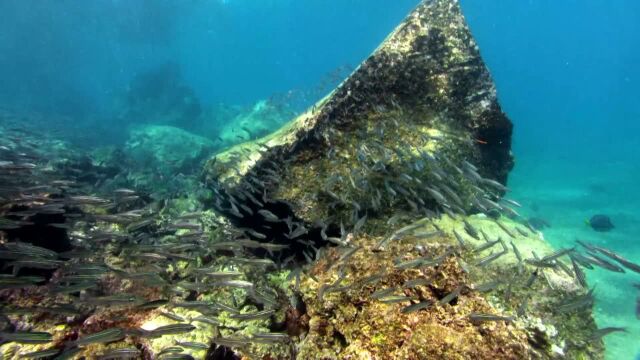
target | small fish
x=471, y=230
x=153, y=304
x=532, y=278
x=192, y=345
x=26, y=337
x=395, y=299
x=383, y=292
x=417, y=306
x=415, y=282
x=505, y=229
x=489, y=259
x=172, y=329
x=253, y=316
x=579, y=302
x=600, y=333
x=522, y=231
x=40, y=354
x=486, y=246
x=206, y=320
x=460, y=239
x=270, y=338
x=479, y=317
x=452, y=295
x=172, y=316
x=236, y=341
x=269, y=216
x=104, y=336
x=486, y=287
x=598, y=261
x=557, y=254
x=169, y=350
x=122, y=353
x=582, y=279
x=359, y=224
x=423, y=261
x=622, y=261
x=240, y=284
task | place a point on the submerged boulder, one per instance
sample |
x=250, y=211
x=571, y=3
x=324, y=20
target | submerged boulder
x=415, y=128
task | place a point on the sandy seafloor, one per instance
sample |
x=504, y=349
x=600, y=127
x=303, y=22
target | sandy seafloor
x=567, y=194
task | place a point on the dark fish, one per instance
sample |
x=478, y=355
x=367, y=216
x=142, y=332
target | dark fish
x=601, y=223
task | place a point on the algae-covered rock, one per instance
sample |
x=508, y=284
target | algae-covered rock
x=394, y=135
x=362, y=304
x=427, y=74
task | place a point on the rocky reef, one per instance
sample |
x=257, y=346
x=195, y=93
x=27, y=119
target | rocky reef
x=373, y=226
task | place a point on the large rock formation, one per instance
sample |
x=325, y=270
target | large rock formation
x=400, y=134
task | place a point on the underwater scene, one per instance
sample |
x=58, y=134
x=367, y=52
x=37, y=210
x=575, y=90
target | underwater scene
x=319, y=179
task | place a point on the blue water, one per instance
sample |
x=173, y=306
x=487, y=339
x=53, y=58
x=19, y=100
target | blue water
x=566, y=71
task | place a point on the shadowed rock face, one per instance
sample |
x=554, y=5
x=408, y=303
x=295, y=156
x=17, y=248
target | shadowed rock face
x=398, y=128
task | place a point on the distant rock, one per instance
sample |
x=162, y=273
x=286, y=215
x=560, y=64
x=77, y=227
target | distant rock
x=166, y=149
x=258, y=121
x=600, y=222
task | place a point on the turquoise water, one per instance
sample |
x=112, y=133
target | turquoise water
x=566, y=72
x=566, y=77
